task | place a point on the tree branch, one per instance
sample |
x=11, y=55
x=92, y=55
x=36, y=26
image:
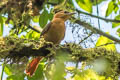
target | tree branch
x=37, y=29
x=51, y=3
x=107, y=20
x=95, y=30
x=15, y=50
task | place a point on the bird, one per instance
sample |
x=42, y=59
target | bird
x=53, y=32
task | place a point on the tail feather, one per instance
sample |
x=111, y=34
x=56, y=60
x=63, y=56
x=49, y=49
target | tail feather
x=31, y=68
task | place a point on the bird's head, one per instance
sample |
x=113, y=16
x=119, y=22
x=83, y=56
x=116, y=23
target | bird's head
x=63, y=15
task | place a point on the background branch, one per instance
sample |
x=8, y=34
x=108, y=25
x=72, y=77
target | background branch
x=95, y=30
x=36, y=28
x=107, y=20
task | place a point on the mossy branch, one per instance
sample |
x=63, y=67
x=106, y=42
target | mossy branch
x=17, y=49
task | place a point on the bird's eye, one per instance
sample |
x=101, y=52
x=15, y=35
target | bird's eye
x=66, y=12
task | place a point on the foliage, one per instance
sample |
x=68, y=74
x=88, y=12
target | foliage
x=112, y=6
x=85, y=4
x=116, y=24
x=106, y=43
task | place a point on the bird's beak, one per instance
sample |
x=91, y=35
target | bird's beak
x=72, y=13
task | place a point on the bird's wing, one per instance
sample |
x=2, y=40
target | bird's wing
x=47, y=27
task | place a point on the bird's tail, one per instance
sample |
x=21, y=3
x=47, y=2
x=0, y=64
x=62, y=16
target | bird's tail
x=32, y=66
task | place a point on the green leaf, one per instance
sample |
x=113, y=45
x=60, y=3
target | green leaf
x=118, y=32
x=111, y=7
x=118, y=2
x=116, y=8
x=11, y=22
x=86, y=75
x=39, y=73
x=1, y=26
x=104, y=40
x=70, y=5
x=60, y=1
x=35, y=19
x=98, y=2
x=70, y=68
x=16, y=77
x=7, y=70
x=15, y=68
x=56, y=1
x=116, y=24
x=85, y=4
x=43, y=19
x=29, y=34
x=15, y=72
x=70, y=2
x=32, y=35
x=89, y=74
x=35, y=35
x=50, y=16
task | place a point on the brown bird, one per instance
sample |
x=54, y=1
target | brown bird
x=53, y=32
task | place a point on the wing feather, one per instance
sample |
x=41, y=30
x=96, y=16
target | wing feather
x=47, y=27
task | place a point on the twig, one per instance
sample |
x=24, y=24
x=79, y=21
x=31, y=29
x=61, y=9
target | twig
x=95, y=30
x=106, y=44
x=98, y=14
x=34, y=29
x=107, y=20
x=86, y=37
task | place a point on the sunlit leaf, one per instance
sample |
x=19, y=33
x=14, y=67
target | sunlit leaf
x=1, y=26
x=106, y=43
x=29, y=34
x=70, y=68
x=7, y=70
x=35, y=35
x=85, y=5
x=32, y=35
x=89, y=74
x=118, y=32
x=116, y=24
x=43, y=19
x=86, y=75
x=111, y=7
x=11, y=22
x=35, y=19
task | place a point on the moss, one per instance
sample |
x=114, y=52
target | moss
x=17, y=50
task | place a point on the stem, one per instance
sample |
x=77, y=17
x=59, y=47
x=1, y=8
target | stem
x=107, y=20
x=98, y=14
x=2, y=71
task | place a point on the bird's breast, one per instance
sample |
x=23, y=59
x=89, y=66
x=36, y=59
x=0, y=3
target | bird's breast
x=56, y=32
